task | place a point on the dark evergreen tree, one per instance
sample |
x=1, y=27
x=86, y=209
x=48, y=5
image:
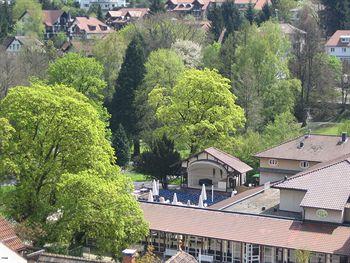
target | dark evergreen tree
x=336, y=15
x=121, y=146
x=250, y=13
x=265, y=13
x=217, y=23
x=157, y=6
x=160, y=161
x=227, y=54
x=5, y=19
x=122, y=106
x=232, y=17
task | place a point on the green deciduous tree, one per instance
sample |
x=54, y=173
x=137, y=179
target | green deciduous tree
x=107, y=213
x=199, y=112
x=121, y=146
x=163, y=68
x=31, y=23
x=211, y=56
x=282, y=9
x=130, y=77
x=62, y=161
x=161, y=161
x=82, y=73
x=189, y=51
x=157, y=6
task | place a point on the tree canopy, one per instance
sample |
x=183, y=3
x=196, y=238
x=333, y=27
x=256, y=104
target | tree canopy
x=200, y=111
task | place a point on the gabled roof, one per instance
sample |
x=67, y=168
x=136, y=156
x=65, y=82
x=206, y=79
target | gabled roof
x=182, y=257
x=335, y=39
x=226, y=158
x=327, y=185
x=50, y=17
x=268, y=231
x=290, y=30
x=316, y=148
x=24, y=40
x=133, y=12
x=9, y=237
x=92, y=25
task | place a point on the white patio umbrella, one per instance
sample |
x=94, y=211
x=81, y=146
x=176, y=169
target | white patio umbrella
x=204, y=192
x=188, y=202
x=154, y=188
x=212, y=193
x=161, y=200
x=150, y=196
x=200, y=202
x=233, y=193
x=174, y=199
x=158, y=187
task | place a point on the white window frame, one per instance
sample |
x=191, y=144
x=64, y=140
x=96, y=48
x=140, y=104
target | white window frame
x=332, y=49
x=304, y=164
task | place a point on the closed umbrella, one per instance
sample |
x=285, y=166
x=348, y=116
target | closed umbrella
x=174, y=199
x=204, y=192
x=150, y=196
x=200, y=202
x=154, y=188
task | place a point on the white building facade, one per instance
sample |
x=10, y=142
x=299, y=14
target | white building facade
x=105, y=5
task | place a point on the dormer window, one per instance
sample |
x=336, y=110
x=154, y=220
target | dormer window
x=304, y=164
x=103, y=28
x=345, y=39
x=92, y=28
x=273, y=162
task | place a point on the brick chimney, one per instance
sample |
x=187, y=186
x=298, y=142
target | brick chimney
x=129, y=255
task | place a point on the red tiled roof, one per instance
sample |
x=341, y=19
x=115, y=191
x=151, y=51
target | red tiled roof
x=51, y=16
x=316, y=148
x=134, y=12
x=182, y=257
x=9, y=237
x=327, y=186
x=92, y=25
x=335, y=39
x=311, y=236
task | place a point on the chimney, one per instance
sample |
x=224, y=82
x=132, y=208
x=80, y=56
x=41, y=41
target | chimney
x=129, y=256
x=344, y=137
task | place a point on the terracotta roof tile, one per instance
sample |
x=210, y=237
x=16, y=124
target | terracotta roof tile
x=51, y=16
x=317, y=148
x=182, y=257
x=92, y=25
x=335, y=39
x=9, y=237
x=312, y=236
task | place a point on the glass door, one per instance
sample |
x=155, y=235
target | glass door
x=251, y=253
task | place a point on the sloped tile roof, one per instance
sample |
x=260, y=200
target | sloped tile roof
x=182, y=257
x=285, y=233
x=327, y=186
x=9, y=237
x=317, y=148
x=51, y=16
x=335, y=39
x=86, y=24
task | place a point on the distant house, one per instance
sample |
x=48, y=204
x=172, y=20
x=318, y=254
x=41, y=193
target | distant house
x=83, y=47
x=296, y=36
x=55, y=21
x=243, y=4
x=121, y=17
x=196, y=8
x=16, y=43
x=297, y=155
x=106, y=5
x=9, y=238
x=214, y=167
x=88, y=28
x=339, y=45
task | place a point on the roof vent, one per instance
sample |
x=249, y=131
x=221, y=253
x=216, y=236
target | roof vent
x=344, y=137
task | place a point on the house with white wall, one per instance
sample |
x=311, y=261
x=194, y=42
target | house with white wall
x=215, y=167
x=339, y=45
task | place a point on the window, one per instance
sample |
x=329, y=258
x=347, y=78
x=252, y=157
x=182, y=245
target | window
x=214, y=172
x=269, y=254
x=304, y=164
x=344, y=49
x=221, y=173
x=273, y=162
x=332, y=49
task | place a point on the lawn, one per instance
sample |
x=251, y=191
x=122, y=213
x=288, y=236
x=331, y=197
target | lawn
x=136, y=177
x=328, y=129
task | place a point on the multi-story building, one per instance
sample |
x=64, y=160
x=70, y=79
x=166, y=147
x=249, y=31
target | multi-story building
x=339, y=45
x=123, y=16
x=88, y=28
x=105, y=5
x=299, y=154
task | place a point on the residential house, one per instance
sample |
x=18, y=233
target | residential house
x=214, y=167
x=15, y=44
x=296, y=155
x=339, y=45
x=243, y=4
x=196, y=8
x=55, y=21
x=9, y=238
x=88, y=28
x=106, y=5
x=296, y=36
x=123, y=16
x=10, y=256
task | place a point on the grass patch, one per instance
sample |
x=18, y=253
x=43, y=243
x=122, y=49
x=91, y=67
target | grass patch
x=332, y=129
x=136, y=177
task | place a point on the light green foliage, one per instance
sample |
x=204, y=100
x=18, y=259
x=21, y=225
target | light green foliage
x=6, y=136
x=59, y=39
x=283, y=128
x=31, y=23
x=211, y=56
x=282, y=9
x=163, y=68
x=82, y=73
x=108, y=213
x=199, y=112
x=56, y=131
x=261, y=74
x=110, y=51
x=63, y=161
